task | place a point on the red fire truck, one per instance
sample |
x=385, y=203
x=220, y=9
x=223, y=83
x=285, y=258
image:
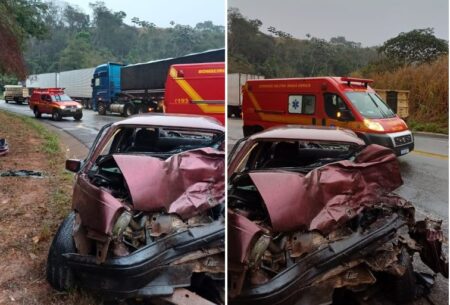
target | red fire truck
x=196, y=89
x=55, y=102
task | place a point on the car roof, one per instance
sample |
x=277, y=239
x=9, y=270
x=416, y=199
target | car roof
x=173, y=120
x=308, y=133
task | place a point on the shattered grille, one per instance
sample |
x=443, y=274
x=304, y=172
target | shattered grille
x=402, y=140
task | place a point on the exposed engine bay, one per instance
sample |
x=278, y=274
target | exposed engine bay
x=317, y=236
x=157, y=199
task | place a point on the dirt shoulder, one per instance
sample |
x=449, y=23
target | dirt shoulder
x=32, y=209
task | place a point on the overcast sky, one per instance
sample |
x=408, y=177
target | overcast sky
x=161, y=12
x=370, y=22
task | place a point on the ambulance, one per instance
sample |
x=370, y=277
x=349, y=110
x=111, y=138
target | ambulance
x=343, y=102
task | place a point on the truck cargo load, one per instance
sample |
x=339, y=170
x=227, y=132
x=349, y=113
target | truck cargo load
x=152, y=75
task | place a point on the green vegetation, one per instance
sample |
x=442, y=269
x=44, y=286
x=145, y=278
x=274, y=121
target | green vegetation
x=74, y=41
x=428, y=86
x=20, y=20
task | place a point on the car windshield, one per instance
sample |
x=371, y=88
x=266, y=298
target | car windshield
x=370, y=105
x=61, y=98
x=299, y=156
x=160, y=141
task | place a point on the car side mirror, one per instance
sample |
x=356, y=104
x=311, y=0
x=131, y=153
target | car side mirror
x=73, y=165
x=344, y=115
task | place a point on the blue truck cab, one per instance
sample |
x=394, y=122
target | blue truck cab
x=105, y=85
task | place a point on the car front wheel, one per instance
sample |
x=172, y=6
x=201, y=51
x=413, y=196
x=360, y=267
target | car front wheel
x=59, y=273
x=56, y=115
x=78, y=116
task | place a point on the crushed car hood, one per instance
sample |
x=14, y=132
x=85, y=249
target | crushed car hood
x=187, y=183
x=329, y=195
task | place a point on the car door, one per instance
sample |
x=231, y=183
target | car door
x=335, y=108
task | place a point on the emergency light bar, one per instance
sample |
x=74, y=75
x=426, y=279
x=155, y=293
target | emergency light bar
x=48, y=90
x=350, y=80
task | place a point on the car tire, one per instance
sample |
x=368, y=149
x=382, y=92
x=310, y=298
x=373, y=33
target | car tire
x=128, y=110
x=37, y=113
x=101, y=108
x=78, y=116
x=59, y=274
x=57, y=115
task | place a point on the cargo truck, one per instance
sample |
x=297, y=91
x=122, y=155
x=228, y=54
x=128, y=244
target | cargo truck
x=76, y=83
x=140, y=87
x=17, y=93
x=234, y=91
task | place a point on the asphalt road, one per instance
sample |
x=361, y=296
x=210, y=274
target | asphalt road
x=85, y=130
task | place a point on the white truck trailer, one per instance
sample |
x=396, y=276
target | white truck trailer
x=44, y=80
x=76, y=83
x=235, y=81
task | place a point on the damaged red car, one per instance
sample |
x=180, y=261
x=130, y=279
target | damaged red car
x=148, y=213
x=312, y=220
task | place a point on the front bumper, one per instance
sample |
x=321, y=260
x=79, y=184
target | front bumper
x=289, y=285
x=69, y=112
x=400, y=142
x=147, y=272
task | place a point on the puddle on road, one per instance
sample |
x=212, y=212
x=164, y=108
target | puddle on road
x=22, y=173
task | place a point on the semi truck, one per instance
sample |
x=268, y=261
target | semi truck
x=234, y=85
x=76, y=83
x=139, y=87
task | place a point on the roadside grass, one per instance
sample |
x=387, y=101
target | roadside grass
x=435, y=127
x=58, y=207
x=59, y=178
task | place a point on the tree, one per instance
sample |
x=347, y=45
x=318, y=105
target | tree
x=414, y=47
x=20, y=20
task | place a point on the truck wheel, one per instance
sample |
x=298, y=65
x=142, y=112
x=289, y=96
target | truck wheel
x=128, y=110
x=57, y=115
x=6, y=101
x=37, y=113
x=78, y=116
x=101, y=108
x=59, y=273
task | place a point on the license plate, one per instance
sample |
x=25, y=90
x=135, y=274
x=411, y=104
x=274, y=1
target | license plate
x=404, y=151
x=72, y=110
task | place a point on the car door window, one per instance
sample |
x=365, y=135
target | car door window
x=302, y=104
x=333, y=104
